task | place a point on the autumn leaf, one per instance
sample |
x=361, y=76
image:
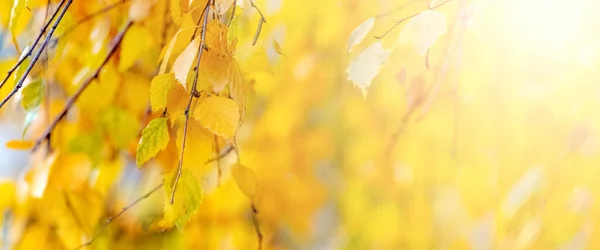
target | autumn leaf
x=120, y=126
x=32, y=95
x=183, y=63
x=367, y=65
x=16, y=12
x=219, y=115
x=159, y=90
x=423, y=30
x=155, y=138
x=177, y=100
x=237, y=88
x=245, y=180
x=135, y=43
x=360, y=33
x=19, y=144
x=198, y=146
x=188, y=197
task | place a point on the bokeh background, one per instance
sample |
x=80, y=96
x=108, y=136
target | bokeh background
x=491, y=141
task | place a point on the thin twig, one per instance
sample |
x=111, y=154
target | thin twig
x=71, y=101
x=35, y=42
x=37, y=55
x=93, y=15
x=409, y=17
x=114, y=217
x=220, y=156
x=187, y=109
x=145, y=196
x=257, y=226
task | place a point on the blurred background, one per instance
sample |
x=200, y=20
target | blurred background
x=490, y=141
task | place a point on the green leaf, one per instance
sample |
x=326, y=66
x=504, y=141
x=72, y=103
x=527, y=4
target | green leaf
x=89, y=144
x=33, y=94
x=159, y=90
x=29, y=117
x=120, y=126
x=188, y=197
x=155, y=138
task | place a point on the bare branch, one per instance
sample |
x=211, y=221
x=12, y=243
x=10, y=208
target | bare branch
x=35, y=42
x=114, y=217
x=192, y=93
x=131, y=205
x=71, y=101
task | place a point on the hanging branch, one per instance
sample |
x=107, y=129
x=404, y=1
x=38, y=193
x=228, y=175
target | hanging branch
x=116, y=42
x=145, y=196
x=114, y=217
x=91, y=16
x=193, y=93
x=36, y=41
x=409, y=17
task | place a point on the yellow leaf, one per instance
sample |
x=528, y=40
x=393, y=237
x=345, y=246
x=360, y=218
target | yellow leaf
x=237, y=89
x=136, y=41
x=185, y=60
x=219, y=115
x=198, y=145
x=19, y=145
x=245, y=180
x=367, y=65
x=188, y=197
x=16, y=24
x=32, y=95
x=120, y=126
x=159, y=90
x=277, y=48
x=178, y=42
x=359, y=33
x=155, y=138
x=177, y=100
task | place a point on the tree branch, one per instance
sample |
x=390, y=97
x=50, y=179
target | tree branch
x=187, y=109
x=114, y=217
x=93, y=15
x=409, y=17
x=71, y=101
x=37, y=55
x=259, y=234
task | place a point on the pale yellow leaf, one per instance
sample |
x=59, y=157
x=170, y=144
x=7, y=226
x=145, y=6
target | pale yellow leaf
x=140, y=9
x=360, y=33
x=159, y=90
x=245, y=180
x=367, y=65
x=155, y=138
x=184, y=62
x=237, y=88
x=219, y=115
x=423, y=30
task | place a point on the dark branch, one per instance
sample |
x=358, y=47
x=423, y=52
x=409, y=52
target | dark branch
x=187, y=109
x=71, y=101
x=257, y=226
x=35, y=42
